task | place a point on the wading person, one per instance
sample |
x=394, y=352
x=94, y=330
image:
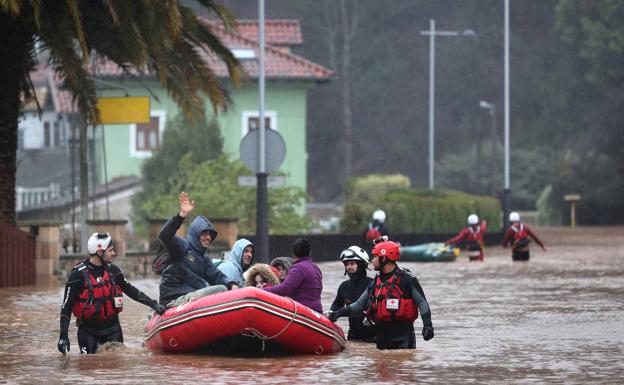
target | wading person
x=392, y=301
x=375, y=229
x=518, y=236
x=473, y=235
x=94, y=294
x=238, y=261
x=355, y=261
x=190, y=273
x=304, y=282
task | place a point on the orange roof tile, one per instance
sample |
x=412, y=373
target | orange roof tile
x=279, y=64
x=276, y=32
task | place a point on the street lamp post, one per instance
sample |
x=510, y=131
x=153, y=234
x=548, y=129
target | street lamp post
x=432, y=33
x=507, y=190
x=491, y=107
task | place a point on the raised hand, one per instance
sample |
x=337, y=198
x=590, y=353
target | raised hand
x=186, y=206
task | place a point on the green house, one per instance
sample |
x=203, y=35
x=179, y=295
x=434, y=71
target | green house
x=123, y=148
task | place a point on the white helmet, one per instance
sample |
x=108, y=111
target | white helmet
x=514, y=217
x=473, y=219
x=379, y=215
x=354, y=253
x=99, y=241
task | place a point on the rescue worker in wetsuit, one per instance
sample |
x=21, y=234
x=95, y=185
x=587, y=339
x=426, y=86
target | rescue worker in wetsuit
x=94, y=294
x=518, y=236
x=355, y=260
x=374, y=230
x=473, y=235
x=392, y=301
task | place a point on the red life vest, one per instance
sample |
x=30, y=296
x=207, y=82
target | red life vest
x=474, y=241
x=402, y=305
x=520, y=236
x=372, y=233
x=475, y=235
x=99, y=300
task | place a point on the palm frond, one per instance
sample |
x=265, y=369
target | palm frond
x=74, y=12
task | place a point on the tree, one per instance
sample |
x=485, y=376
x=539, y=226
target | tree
x=151, y=37
x=213, y=184
x=182, y=136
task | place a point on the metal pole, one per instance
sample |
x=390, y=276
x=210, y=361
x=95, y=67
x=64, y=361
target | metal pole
x=84, y=186
x=431, y=100
x=507, y=190
x=261, y=249
x=105, y=173
x=72, y=158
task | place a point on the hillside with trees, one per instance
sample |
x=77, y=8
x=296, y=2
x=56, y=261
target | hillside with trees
x=566, y=94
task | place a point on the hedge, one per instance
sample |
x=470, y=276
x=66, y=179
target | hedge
x=415, y=210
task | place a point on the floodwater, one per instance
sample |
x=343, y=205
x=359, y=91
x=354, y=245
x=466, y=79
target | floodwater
x=558, y=318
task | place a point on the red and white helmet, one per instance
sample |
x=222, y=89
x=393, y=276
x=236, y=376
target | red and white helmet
x=388, y=249
x=99, y=241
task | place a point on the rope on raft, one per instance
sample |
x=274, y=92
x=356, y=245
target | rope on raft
x=253, y=332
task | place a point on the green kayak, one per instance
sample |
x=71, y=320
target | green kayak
x=429, y=252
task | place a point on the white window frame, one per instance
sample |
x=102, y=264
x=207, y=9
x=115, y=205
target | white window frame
x=272, y=115
x=134, y=153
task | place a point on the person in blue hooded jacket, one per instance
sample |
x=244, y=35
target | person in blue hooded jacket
x=191, y=273
x=238, y=262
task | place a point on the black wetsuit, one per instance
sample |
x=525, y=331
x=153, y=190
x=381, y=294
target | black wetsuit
x=349, y=292
x=92, y=333
x=396, y=334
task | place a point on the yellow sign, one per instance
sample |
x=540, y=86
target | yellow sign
x=124, y=110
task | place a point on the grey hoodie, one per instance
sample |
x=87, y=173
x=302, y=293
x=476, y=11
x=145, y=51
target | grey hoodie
x=232, y=267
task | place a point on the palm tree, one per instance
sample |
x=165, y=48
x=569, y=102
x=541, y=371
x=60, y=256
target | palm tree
x=163, y=38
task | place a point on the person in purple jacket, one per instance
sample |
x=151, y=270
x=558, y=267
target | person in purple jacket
x=304, y=281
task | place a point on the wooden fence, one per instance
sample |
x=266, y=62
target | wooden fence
x=17, y=257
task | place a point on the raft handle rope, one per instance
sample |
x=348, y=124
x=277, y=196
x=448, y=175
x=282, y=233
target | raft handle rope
x=253, y=332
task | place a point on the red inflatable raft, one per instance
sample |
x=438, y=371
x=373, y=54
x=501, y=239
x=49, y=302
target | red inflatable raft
x=244, y=321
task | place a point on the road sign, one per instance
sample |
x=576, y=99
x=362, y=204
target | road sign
x=275, y=150
x=251, y=181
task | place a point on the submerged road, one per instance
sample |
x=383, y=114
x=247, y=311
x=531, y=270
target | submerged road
x=557, y=319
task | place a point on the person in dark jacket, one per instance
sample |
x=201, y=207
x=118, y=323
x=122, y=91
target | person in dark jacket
x=191, y=273
x=304, y=282
x=355, y=260
x=374, y=230
x=393, y=301
x=94, y=294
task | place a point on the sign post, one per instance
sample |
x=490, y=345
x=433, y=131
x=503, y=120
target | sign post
x=572, y=198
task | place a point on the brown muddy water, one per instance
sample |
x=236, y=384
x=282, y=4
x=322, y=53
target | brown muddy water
x=557, y=319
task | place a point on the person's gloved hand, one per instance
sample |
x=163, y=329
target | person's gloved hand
x=342, y=312
x=63, y=344
x=427, y=331
x=160, y=309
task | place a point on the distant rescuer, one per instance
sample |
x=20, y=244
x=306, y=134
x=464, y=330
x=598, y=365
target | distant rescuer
x=94, y=293
x=517, y=236
x=392, y=301
x=473, y=234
